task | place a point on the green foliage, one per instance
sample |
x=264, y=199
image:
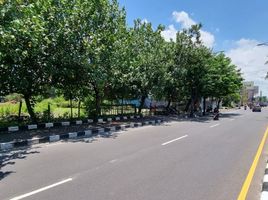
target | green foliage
x=13, y=97
x=24, y=43
x=8, y=109
x=90, y=103
x=143, y=61
x=84, y=51
x=231, y=99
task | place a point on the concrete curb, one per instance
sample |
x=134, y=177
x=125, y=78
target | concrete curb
x=74, y=135
x=264, y=193
x=65, y=123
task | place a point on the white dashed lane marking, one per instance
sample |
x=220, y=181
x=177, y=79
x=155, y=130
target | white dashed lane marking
x=174, y=140
x=41, y=189
x=113, y=161
x=214, y=125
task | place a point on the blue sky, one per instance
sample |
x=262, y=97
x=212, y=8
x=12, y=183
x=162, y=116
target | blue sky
x=233, y=26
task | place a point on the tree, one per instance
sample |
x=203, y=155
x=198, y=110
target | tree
x=146, y=59
x=223, y=77
x=108, y=20
x=23, y=46
x=120, y=87
x=190, y=59
x=71, y=23
x=170, y=85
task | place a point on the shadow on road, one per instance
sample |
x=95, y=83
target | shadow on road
x=9, y=158
x=229, y=115
x=91, y=139
x=202, y=119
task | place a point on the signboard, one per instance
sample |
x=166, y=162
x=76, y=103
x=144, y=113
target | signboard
x=248, y=84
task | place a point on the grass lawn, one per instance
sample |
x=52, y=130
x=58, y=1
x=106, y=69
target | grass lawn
x=59, y=109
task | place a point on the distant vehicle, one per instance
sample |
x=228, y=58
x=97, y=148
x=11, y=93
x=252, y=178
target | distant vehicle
x=256, y=108
x=263, y=104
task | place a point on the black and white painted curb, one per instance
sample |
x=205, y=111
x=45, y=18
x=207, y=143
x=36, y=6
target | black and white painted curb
x=264, y=193
x=65, y=123
x=105, y=131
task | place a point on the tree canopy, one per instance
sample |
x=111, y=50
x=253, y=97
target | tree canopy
x=85, y=48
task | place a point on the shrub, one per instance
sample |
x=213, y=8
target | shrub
x=13, y=97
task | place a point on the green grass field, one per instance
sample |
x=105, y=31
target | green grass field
x=59, y=109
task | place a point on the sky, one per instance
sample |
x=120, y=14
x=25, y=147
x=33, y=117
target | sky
x=232, y=26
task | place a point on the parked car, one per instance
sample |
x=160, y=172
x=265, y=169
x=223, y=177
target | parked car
x=256, y=108
x=263, y=104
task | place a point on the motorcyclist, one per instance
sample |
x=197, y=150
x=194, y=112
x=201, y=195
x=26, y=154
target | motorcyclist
x=216, y=114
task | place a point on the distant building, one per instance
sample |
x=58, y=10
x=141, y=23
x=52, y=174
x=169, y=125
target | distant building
x=248, y=92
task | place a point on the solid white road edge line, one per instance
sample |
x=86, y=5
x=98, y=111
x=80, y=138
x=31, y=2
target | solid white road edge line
x=175, y=140
x=41, y=189
x=214, y=125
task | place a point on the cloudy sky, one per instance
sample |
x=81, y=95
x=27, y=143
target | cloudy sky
x=232, y=26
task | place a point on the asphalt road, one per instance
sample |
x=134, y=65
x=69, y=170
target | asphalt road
x=185, y=160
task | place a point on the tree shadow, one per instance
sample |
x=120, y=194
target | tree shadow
x=93, y=138
x=5, y=174
x=186, y=118
x=196, y=118
x=8, y=158
x=229, y=115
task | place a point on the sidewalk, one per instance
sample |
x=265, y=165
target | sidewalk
x=26, y=136
x=9, y=140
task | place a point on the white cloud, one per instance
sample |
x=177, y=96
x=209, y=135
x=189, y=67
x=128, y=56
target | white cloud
x=251, y=58
x=186, y=21
x=145, y=21
x=183, y=18
x=207, y=38
x=169, y=33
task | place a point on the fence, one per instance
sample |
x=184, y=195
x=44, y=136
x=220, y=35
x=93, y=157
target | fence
x=45, y=111
x=118, y=109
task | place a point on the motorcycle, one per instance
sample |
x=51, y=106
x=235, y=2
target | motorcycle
x=216, y=114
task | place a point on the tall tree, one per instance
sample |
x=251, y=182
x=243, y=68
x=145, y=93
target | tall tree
x=23, y=46
x=224, y=78
x=146, y=48
x=69, y=52
x=108, y=20
x=189, y=59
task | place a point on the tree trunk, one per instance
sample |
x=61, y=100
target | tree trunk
x=71, y=105
x=218, y=104
x=169, y=102
x=204, y=106
x=143, y=97
x=122, y=106
x=20, y=106
x=79, y=108
x=192, y=108
x=97, y=102
x=188, y=105
x=30, y=108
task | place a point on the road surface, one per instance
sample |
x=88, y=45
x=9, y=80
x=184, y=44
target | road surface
x=179, y=160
